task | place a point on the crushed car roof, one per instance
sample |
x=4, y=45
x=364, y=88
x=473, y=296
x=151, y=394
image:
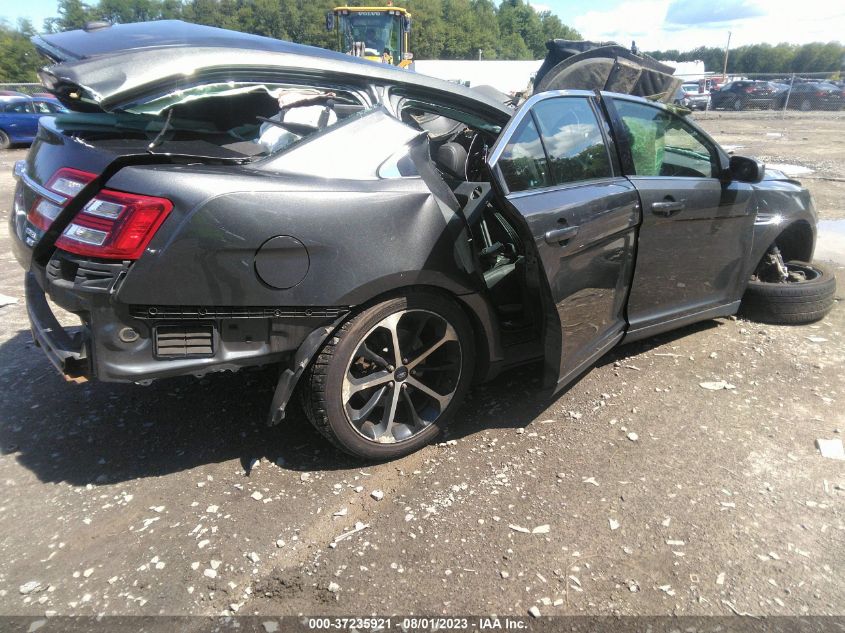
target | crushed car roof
x=112, y=65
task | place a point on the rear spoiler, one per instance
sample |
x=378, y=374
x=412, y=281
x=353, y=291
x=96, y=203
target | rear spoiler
x=606, y=66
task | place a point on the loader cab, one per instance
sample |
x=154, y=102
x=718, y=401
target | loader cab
x=379, y=34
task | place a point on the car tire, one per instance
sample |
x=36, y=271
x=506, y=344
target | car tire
x=738, y=104
x=5, y=141
x=395, y=417
x=791, y=303
x=806, y=105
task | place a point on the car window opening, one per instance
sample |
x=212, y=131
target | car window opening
x=459, y=144
x=252, y=120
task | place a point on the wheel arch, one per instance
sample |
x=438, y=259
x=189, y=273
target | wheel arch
x=476, y=308
x=796, y=241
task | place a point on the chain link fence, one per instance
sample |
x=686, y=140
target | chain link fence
x=804, y=92
x=25, y=89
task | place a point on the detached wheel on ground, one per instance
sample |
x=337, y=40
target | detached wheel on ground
x=391, y=378
x=788, y=293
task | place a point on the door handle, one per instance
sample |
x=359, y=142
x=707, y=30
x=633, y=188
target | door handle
x=557, y=236
x=668, y=207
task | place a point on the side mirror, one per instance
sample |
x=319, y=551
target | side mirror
x=406, y=24
x=745, y=169
x=330, y=21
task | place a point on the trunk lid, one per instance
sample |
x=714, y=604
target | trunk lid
x=112, y=68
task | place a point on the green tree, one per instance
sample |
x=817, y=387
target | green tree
x=72, y=15
x=19, y=60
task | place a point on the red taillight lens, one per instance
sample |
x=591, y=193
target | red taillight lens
x=66, y=182
x=115, y=225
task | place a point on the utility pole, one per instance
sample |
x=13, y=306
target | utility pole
x=725, y=67
x=479, y=54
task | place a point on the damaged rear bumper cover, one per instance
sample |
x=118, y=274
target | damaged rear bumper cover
x=65, y=349
x=120, y=343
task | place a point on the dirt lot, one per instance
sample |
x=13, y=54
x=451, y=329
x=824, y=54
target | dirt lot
x=815, y=140
x=636, y=491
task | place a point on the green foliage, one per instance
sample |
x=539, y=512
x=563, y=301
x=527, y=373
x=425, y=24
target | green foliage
x=442, y=29
x=18, y=59
x=782, y=58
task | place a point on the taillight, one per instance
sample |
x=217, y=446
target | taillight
x=67, y=183
x=115, y=225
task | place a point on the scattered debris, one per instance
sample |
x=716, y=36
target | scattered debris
x=257, y=496
x=6, y=300
x=832, y=449
x=378, y=495
x=717, y=385
x=590, y=480
x=519, y=528
x=534, y=612
x=614, y=525
x=333, y=587
x=541, y=529
x=359, y=526
x=816, y=339
x=341, y=513
x=633, y=436
x=33, y=586
x=720, y=579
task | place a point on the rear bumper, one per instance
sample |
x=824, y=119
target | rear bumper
x=65, y=349
x=120, y=343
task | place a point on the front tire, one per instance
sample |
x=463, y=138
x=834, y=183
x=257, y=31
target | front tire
x=5, y=141
x=390, y=379
x=807, y=297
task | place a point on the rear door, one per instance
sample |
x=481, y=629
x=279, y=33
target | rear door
x=20, y=120
x=697, y=228
x=553, y=165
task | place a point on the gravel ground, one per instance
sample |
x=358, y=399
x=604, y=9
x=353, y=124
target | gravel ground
x=635, y=492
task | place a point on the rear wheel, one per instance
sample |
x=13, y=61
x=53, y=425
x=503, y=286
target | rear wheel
x=806, y=105
x=392, y=377
x=738, y=104
x=788, y=293
x=5, y=141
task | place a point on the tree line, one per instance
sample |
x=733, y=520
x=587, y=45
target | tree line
x=442, y=29
x=778, y=59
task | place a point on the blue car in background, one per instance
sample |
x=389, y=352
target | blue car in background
x=19, y=117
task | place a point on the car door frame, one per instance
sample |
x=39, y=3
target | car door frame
x=558, y=374
x=639, y=329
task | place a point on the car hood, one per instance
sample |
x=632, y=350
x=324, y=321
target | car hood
x=112, y=67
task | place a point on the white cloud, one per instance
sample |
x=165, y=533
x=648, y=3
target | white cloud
x=782, y=21
x=540, y=8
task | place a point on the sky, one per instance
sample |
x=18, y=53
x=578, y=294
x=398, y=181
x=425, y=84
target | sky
x=654, y=24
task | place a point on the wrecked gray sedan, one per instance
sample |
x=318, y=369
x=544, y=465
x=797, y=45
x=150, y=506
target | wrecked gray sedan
x=215, y=200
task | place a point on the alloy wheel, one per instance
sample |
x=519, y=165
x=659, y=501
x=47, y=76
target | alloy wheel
x=402, y=376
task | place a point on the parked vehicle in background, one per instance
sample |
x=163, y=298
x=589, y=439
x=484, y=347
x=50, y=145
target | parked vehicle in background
x=743, y=94
x=19, y=118
x=688, y=95
x=815, y=95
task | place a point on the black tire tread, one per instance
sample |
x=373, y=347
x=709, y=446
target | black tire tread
x=313, y=396
x=790, y=303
